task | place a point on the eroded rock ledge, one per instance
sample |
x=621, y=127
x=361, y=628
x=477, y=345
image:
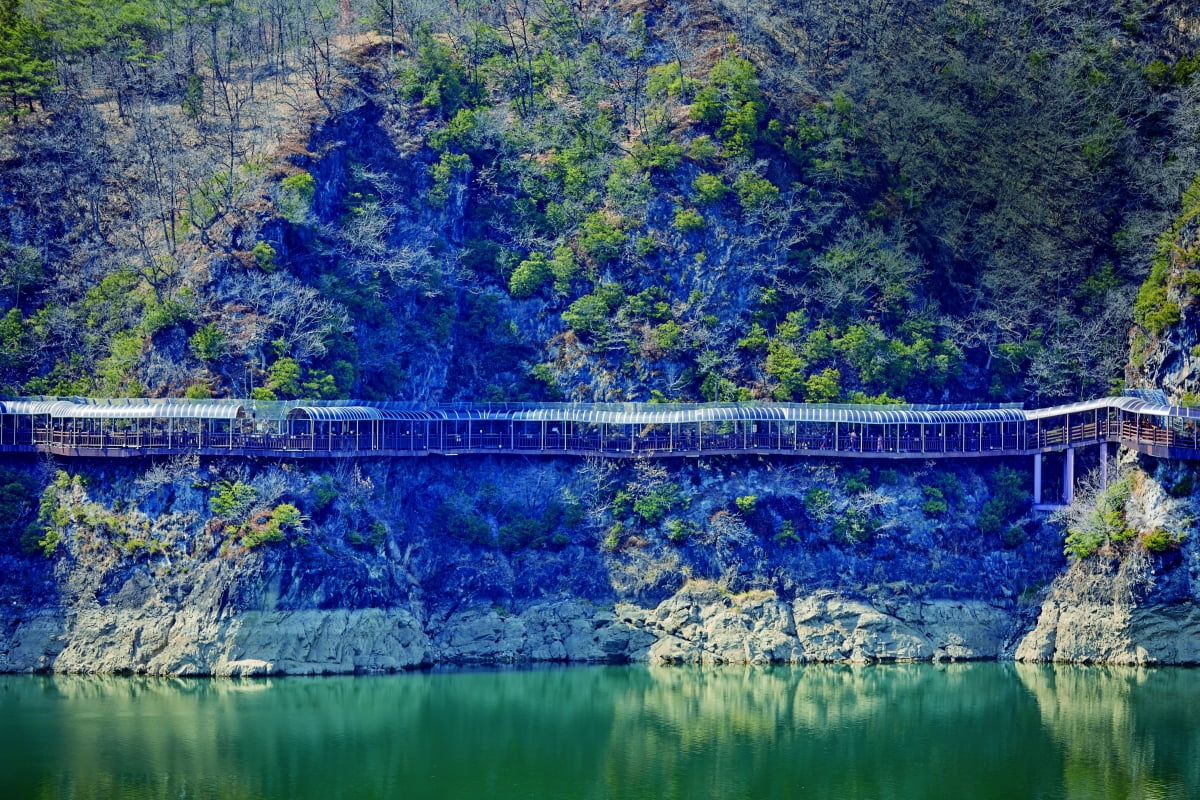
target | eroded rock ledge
x=699, y=624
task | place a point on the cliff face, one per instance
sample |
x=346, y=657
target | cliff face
x=394, y=565
x=1163, y=348
x=1133, y=609
x=1122, y=604
x=139, y=631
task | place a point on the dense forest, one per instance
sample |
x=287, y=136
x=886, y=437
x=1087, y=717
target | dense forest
x=871, y=200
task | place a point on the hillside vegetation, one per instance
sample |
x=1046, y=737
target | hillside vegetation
x=588, y=201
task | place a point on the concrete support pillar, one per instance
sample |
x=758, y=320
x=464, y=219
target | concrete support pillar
x=1068, y=493
x=1037, y=479
x=1104, y=465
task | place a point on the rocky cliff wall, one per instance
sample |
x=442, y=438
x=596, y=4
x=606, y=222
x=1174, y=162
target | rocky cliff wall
x=701, y=624
x=392, y=565
x=1124, y=605
x=396, y=565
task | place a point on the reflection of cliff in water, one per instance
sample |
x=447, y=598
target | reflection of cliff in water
x=889, y=732
x=1124, y=732
x=829, y=731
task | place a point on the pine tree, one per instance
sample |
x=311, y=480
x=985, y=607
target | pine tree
x=24, y=74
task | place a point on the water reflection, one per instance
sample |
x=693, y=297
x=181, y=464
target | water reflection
x=1123, y=731
x=904, y=731
x=828, y=731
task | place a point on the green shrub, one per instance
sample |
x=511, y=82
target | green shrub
x=264, y=256
x=193, y=96
x=283, y=377
x=564, y=268
x=18, y=500
x=522, y=532
x=1105, y=523
x=947, y=482
x=823, y=387
x=754, y=192
x=53, y=516
x=818, y=502
x=854, y=527
x=755, y=339
x=601, y=237
x=159, y=316
x=612, y=538
x=1010, y=496
x=702, y=149
x=935, y=501
x=436, y=78
x=665, y=156
x=746, y=503
x=655, y=504
x=857, y=482
x=590, y=314
x=1160, y=540
x=1183, y=487
x=786, y=534
x=650, y=304
x=48, y=541
x=529, y=276
x=679, y=531
x=448, y=168
x=1164, y=316
x=208, y=343
x=709, y=188
x=457, y=519
x=198, y=391
x=232, y=500
x=295, y=195
x=731, y=99
x=1013, y=536
x=688, y=220
x=265, y=527
x=668, y=336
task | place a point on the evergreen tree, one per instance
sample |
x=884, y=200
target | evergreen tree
x=24, y=74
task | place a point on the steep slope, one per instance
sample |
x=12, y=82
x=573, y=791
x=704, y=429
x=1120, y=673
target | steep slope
x=643, y=201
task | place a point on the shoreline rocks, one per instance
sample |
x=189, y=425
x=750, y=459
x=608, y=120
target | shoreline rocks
x=700, y=624
x=139, y=630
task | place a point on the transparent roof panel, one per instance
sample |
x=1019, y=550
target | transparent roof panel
x=335, y=413
x=147, y=409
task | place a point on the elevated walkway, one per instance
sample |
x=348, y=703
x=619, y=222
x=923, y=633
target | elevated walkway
x=133, y=428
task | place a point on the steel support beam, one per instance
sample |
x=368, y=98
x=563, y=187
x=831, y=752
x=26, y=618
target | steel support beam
x=1104, y=465
x=1037, y=479
x=1068, y=492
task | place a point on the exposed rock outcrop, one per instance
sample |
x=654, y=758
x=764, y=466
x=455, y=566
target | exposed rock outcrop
x=310, y=642
x=1114, y=634
x=1166, y=358
x=699, y=624
x=1141, y=610
x=703, y=625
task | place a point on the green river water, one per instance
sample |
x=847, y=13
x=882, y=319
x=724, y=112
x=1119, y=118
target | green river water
x=969, y=731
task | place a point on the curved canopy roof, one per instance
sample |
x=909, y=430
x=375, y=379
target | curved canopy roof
x=27, y=407
x=146, y=409
x=1134, y=405
x=583, y=413
x=334, y=413
x=665, y=414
